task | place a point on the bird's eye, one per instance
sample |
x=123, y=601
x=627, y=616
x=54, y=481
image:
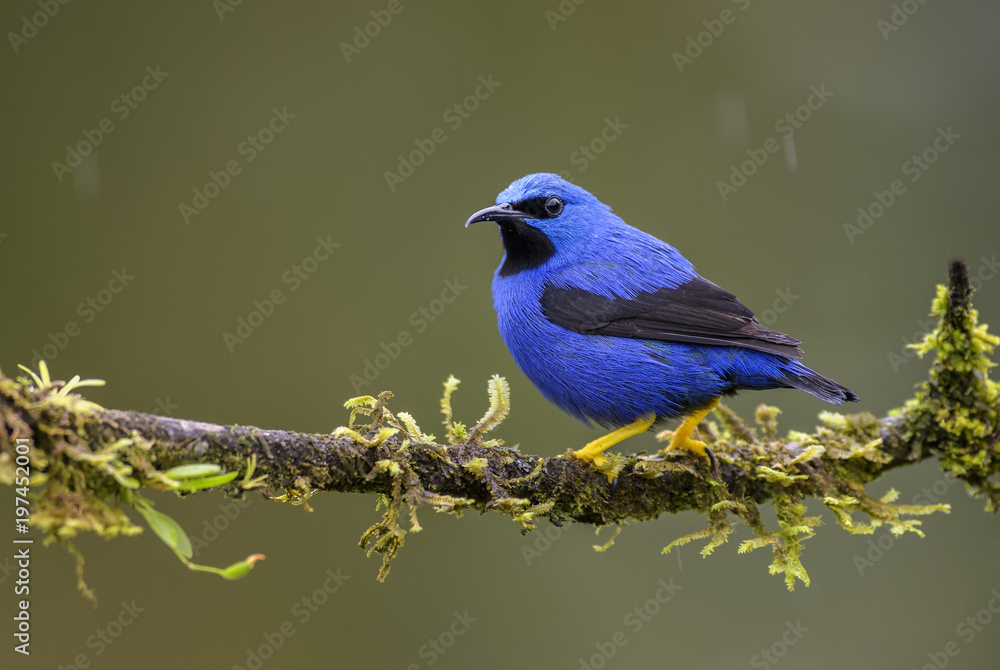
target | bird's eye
x=554, y=205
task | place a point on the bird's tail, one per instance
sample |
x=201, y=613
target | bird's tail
x=800, y=377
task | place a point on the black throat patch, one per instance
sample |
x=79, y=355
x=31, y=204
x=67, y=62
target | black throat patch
x=527, y=247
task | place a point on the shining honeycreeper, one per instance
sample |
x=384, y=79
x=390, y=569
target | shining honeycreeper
x=616, y=328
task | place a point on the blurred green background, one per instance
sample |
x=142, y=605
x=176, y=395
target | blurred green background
x=559, y=73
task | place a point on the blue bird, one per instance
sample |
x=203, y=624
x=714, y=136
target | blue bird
x=615, y=326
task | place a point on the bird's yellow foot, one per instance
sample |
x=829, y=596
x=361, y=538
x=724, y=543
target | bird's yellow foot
x=594, y=451
x=695, y=446
x=682, y=436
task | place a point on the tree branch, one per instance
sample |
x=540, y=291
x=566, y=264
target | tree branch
x=91, y=461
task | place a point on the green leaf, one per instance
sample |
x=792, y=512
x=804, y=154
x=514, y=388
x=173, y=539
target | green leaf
x=191, y=470
x=206, y=482
x=125, y=480
x=167, y=530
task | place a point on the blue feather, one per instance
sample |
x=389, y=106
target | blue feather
x=613, y=380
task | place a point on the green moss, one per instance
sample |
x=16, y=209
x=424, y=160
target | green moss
x=954, y=415
x=477, y=465
x=956, y=412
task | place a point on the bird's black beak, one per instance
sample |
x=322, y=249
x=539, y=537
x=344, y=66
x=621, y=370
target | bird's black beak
x=504, y=212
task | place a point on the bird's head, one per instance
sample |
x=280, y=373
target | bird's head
x=542, y=215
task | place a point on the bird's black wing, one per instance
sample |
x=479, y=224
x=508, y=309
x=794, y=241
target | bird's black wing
x=696, y=312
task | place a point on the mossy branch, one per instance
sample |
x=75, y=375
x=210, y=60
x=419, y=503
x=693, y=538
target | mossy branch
x=89, y=459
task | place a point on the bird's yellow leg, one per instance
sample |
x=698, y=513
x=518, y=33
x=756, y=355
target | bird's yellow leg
x=594, y=451
x=682, y=436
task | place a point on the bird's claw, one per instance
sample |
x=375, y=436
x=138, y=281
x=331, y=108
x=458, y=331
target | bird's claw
x=696, y=447
x=594, y=451
x=712, y=460
x=596, y=458
x=687, y=444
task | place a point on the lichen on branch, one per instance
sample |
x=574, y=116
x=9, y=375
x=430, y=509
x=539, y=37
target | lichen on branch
x=89, y=463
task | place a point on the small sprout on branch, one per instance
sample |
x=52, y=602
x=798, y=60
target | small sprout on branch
x=476, y=465
x=449, y=431
x=766, y=417
x=610, y=543
x=499, y=391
